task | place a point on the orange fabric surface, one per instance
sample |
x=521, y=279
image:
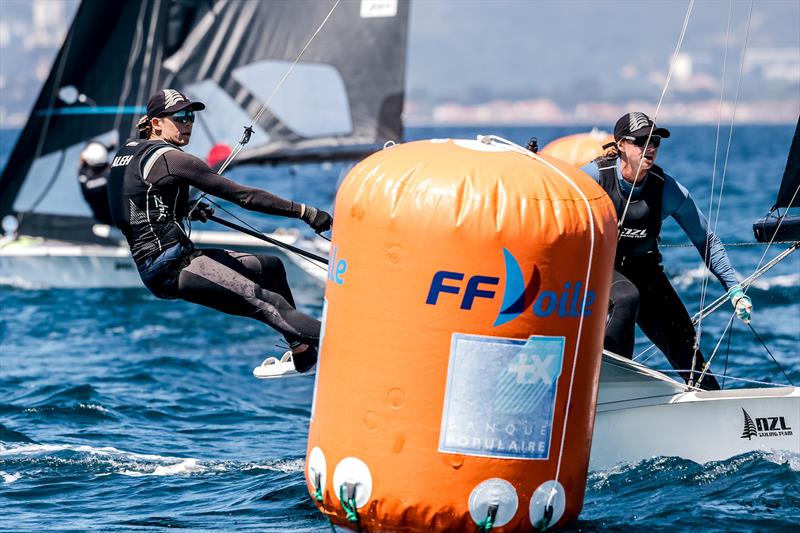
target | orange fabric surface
x=578, y=149
x=401, y=216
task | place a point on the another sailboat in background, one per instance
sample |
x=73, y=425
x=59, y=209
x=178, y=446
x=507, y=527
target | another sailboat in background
x=341, y=102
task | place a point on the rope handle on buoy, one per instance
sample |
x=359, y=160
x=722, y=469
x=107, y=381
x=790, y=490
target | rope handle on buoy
x=349, y=503
x=491, y=514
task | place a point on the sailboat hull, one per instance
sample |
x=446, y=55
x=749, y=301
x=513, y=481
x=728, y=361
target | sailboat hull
x=40, y=263
x=643, y=414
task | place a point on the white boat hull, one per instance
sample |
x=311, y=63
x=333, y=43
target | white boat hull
x=38, y=263
x=643, y=414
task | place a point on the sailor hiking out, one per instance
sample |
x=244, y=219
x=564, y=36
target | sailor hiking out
x=644, y=195
x=149, y=200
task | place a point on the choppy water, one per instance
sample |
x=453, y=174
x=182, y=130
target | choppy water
x=119, y=411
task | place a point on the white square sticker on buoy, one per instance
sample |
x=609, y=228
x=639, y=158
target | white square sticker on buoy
x=500, y=396
x=378, y=8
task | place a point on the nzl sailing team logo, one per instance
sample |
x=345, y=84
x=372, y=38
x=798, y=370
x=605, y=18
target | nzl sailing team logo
x=518, y=296
x=768, y=426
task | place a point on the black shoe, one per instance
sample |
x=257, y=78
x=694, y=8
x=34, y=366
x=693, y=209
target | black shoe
x=305, y=361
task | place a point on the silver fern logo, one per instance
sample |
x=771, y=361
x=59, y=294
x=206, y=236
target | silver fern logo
x=749, y=427
x=765, y=426
x=172, y=97
x=637, y=121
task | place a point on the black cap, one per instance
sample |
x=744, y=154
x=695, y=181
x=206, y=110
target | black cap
x=169, y=101
x=637, y=125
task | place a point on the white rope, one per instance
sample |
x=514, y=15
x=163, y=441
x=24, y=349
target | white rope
x=558, y=171
x=746, y=380
x=277, y=88
x=658, y=107
x=266, y=104
x=706, y=277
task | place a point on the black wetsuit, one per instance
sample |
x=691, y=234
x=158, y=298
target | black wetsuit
x=94, y=181
x=640, y=291
x=149, y=200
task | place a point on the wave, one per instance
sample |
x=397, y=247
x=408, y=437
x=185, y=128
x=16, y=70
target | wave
x=9, y=435
x=69, y=459
x=694, y=276
x=9, y=478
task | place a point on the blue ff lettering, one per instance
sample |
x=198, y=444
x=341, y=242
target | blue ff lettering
x=437, y=285
x=473, y=290
x=518, y=296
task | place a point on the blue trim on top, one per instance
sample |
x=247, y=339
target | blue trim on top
x=102, y=110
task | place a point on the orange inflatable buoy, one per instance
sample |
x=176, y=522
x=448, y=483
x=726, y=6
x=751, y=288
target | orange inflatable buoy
x=462, y=335
x=580, y=148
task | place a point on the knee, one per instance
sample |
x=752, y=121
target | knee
x=271, y=265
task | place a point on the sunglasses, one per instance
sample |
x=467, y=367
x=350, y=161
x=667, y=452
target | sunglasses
x=655, y=141
x=184, y=116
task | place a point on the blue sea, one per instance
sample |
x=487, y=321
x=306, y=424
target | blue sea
x=122, y=412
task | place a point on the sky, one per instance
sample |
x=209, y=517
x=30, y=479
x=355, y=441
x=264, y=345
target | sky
x=567, y=52
x=519, y=47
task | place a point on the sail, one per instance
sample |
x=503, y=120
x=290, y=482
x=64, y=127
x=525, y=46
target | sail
x=790, y=185
x=342, y=99
x=97, y=58
x=783, y=226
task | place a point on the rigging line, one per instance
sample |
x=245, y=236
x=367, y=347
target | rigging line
x=727, y=356
x=535, y=157
x=148, y=54
x=249, y=129
x=706, y=277
x=770, y=354
x=733, y=118
x=658, y=108
x=747, y=281
x=714, y=351
x=726, y=244
x=716, y=304
x=315, y=262
x=279, y=85
x=745, y=380
x=528, y=153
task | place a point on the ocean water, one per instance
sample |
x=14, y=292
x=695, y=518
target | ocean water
x=122, y=412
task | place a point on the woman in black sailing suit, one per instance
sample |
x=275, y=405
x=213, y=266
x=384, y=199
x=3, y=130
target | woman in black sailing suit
x=640, y=291
x=149, y=199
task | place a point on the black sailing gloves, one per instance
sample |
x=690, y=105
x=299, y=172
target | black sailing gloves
x=318, y=219
x=201, y=212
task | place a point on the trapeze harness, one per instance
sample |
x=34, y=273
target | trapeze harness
x=640, y=291
x=149, y=201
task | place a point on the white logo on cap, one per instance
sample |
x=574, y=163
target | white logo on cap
x=637, y=121
x=172, y=97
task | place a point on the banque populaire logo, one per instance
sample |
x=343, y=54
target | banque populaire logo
x=518, y=296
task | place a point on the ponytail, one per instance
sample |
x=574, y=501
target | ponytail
x=610, y=151
x=144, y=127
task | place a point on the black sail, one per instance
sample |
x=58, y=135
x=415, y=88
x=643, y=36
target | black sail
x=790, y=185
x=784, y=226
x=342, y=99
